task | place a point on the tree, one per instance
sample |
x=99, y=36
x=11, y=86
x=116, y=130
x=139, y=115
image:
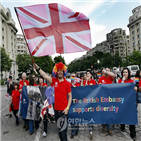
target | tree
x=136, y=58
x=6, y=62
x=59, y=59
x=23, y=61
x=45, y=62
x=117, y=60
x=107, y=60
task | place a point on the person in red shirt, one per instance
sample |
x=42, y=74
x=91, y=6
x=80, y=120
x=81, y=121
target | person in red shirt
x=22, y=83
x=89, y=81
x=106, y=78
x=62, y=98
x=126, y=78
x=41, y=81
x=74, y=127
x=15, y=101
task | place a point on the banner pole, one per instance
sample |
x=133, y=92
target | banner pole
x=24, y=36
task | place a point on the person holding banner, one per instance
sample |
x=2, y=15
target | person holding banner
x=126, y=78
x=63, y=96
x=106, y=78
x=41, y=81
x=31, y=126
x=74, y=128
x=137, y=81
x=15, y=101
x=89, y=81
x=22, y=83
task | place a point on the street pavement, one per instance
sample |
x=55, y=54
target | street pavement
x=11, y=132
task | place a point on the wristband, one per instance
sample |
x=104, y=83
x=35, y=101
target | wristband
x=67, y=108
x=38, y=69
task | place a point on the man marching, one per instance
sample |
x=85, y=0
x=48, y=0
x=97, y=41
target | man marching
x=62, y=96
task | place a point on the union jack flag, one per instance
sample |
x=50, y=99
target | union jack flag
x=54, y=28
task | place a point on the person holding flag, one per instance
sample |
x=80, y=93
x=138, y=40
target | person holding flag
x=63, y=96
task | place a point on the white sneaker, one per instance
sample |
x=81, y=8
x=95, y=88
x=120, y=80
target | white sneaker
x=44, y=134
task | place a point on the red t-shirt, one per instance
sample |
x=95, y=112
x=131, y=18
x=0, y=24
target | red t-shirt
x=105, y=80
x=75, y=84
x=140, y=83
x=35, y=84
x=15, y=99
x=21, y=84
x=88, y=82
x=61, y=90
x=44, y=84
x=125, y=81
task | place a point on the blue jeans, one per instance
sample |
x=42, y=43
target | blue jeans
x=31, y=126
x=107, y=125
x=26, y=122
x=62, y=124
x=74, y=129
x=90, y=127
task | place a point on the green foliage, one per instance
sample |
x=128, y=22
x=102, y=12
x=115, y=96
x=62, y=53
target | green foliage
x=117, y=60
x=134, y=59
x=23, y=61
x=107, y=60
x=2, y=82
x=44, y=62
x=6, y=62
x=59, y=59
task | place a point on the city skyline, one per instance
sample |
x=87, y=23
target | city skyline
x=104, y=16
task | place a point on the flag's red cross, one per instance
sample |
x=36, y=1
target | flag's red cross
x=56, y=29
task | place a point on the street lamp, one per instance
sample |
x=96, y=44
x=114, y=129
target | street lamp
x=98, y=61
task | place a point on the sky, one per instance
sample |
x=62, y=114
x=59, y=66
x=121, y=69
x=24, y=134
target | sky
x=104, y=16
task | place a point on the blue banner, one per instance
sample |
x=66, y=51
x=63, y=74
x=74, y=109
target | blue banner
x=104, y=104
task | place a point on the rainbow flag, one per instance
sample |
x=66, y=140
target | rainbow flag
x=7, y=95
x=99, y=74
x=136, y=79
x=77, y=80
x=72, y=78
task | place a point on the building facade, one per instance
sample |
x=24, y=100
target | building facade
x=135, y=29
x=21, y=45
x=8, y=39
x=118, y=42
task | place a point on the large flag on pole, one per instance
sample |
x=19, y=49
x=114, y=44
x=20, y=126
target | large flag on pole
x=54, y=28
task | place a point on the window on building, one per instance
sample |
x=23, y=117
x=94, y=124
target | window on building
x=138, y=30
x=134, y=44
x=137, y=24
x=139, y=42
x=3, y=38
x=133, y=27
x=133, y=32
x=2, y=45
x=133, y=38
x=132, y=20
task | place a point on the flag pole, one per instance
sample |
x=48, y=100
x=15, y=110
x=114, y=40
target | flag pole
x=24, y=37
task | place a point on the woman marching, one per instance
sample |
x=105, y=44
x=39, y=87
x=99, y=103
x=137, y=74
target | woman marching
x=126, y=78
x=15, y=101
